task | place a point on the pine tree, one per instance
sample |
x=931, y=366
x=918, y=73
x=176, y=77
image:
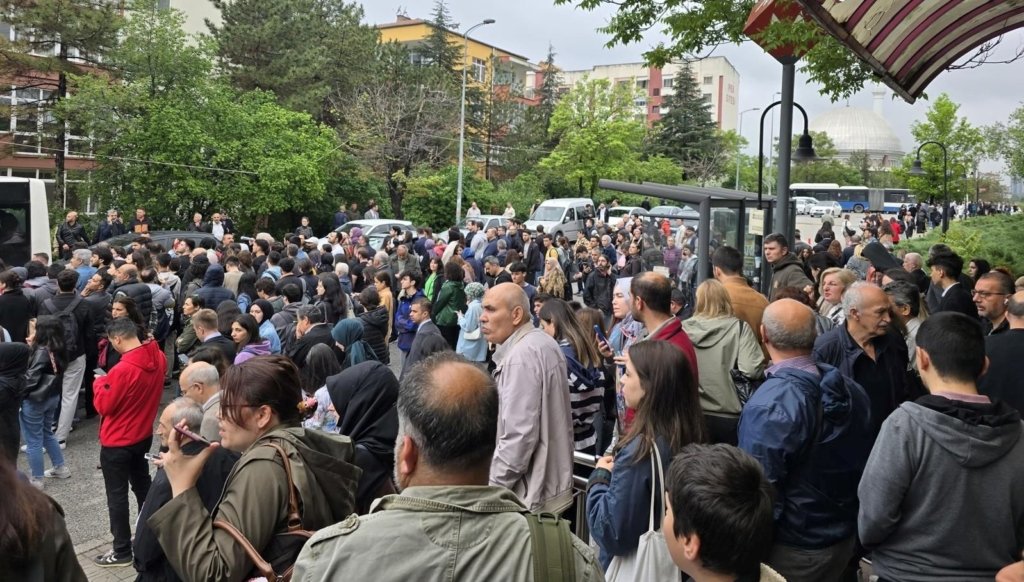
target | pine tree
x=686, y=133
x=439, y=49
x=310, y=53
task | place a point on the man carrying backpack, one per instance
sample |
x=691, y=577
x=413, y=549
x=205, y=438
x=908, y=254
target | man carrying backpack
x=76, y=317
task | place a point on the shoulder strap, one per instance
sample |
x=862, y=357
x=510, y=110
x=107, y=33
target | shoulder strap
x=71, y=306
x=552, y=548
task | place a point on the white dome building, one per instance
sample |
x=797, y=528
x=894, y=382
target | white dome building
x=855, y=130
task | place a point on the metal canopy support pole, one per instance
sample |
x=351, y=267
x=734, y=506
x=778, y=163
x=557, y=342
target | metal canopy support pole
x=783, y=219
x=704, y=241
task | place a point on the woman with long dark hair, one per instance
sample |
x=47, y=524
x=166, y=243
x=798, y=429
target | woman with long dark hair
x=329, y=295
x=450, y=302
x=435, y=278
x=34, y=540
x=43, y=380
x=659, y=385
x=262, y=311
x=246, y=291
x=321, y=364
x=584, y=363
x=245, y=332
x=260, y=417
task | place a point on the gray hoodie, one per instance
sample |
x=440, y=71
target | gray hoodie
x=942, y=496
x=723, y=343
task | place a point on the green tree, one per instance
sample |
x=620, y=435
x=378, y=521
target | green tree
x=54, y=39
x=964, y=144
x=307, y=52
x=686, y=132
x=439, y=49
x=601, y=136
x=1008, y=142
x=528, y=139
x=195, y=144
x=406, y=118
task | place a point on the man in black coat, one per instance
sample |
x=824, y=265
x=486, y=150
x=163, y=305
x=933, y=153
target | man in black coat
x=947, y=268
x=150, y=561
x=533, y=256
x=311, y=329
x=69, y=233
x=1003, y=380
x=109, y=228
x=204, y=322
x=428, y=338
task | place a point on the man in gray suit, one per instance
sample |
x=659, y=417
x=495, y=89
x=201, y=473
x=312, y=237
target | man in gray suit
x=428, y=338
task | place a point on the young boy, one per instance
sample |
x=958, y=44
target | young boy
x=718, y=519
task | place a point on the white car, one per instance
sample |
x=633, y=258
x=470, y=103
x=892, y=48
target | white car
x=376, y=230
x=804, y=204
x=826, y=208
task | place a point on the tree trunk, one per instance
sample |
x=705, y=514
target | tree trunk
x=395, y=193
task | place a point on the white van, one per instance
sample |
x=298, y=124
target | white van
x=24, y=220
x=561, y=216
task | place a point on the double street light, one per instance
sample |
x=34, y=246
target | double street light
x=917, y=170
x=804, y=150
x=462, y=117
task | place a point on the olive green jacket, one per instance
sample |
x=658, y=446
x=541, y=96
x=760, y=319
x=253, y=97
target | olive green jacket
x=433, y=533
x=255, y=501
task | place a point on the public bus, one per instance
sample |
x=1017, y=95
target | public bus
x=856, y=198
x=24, y=220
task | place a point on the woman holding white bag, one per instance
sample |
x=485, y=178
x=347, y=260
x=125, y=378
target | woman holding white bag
x=658, y=384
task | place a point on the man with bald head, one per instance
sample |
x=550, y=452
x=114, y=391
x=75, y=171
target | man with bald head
x=1004, y=380
x=533, y=457
x=448, y=419
x=868, y=349
x=808, y=425
x=200, y=382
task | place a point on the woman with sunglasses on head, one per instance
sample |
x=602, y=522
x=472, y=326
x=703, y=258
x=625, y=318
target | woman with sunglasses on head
x=260, y=406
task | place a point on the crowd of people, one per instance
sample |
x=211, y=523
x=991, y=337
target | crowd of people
x=862, y=408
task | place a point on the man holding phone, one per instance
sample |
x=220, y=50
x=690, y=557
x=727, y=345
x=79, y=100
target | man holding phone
x=127, y=398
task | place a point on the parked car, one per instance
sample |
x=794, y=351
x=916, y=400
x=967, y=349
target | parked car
x=376, y=229
x=614, y=214
x=804, y=204
x=561, y=216
x=681, y=215
x=489, y=220
x=166, y=238
x=831, y=208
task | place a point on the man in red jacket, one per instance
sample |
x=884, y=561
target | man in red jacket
x=127, y=398
x=652, y=306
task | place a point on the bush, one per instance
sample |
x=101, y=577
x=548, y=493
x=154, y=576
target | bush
x=998, y=239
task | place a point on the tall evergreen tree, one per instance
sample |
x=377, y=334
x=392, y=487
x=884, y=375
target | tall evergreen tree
x=439, y=49
x=54, y=39
x=308, y=52
x=686, y=132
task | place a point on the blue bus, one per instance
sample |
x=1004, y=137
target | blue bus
x=856, y=198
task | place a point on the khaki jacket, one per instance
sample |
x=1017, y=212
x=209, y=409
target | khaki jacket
x=433, y=533
x=255, y=500
x=747, y=304
x=533, y=456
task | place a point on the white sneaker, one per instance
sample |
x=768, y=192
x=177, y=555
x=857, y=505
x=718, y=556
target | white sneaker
x=37, y=483
x=62, y=472
x=63, y=444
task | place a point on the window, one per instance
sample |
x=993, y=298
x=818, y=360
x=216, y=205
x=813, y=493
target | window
x=479, y=70
x=418, y=59
x=707, y=97
x=708, y=80
x=654, y=110
x=667, y=82
x=664, y=110
x=640, y=102
x=641, y=83
x=656, y=92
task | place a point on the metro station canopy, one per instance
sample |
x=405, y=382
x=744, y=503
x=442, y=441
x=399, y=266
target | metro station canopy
x=909, y=42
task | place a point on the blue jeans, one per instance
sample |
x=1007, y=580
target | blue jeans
x=36, y=420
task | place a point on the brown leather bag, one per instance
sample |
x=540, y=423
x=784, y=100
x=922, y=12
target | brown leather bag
x=285, y=546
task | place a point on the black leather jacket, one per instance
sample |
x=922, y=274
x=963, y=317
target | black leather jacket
x=39, y=372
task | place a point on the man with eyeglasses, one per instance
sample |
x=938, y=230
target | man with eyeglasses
x=991, y=295
x=1003, y=380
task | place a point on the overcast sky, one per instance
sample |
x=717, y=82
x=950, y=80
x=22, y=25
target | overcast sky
x=986, y=94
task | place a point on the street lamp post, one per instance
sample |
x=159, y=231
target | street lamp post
x=771, y=140
x=462, y=117
x=917, y=170
x=804, y=150
x=736, y=185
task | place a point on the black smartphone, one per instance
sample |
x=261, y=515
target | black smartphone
x=192, y=435
x=600, y=335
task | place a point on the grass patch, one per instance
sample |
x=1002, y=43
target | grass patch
x=998, y=239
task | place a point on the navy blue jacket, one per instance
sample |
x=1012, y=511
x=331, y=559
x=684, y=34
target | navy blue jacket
x=213, y=290
x=812, y=437
x=884, y=378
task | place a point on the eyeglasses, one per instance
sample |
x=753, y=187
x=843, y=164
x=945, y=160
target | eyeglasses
x=985, y=294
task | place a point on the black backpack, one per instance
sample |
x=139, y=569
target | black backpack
x=68, y=321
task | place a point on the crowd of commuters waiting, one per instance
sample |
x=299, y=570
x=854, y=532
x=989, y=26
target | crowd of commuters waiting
x=864, y=407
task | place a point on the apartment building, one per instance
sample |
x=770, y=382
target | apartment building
x=717, y=79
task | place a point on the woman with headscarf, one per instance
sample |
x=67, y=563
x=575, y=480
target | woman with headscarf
x=348, y=336
x=364, y=398
x=262, y=311
x=553, y=281
x=472, y=345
